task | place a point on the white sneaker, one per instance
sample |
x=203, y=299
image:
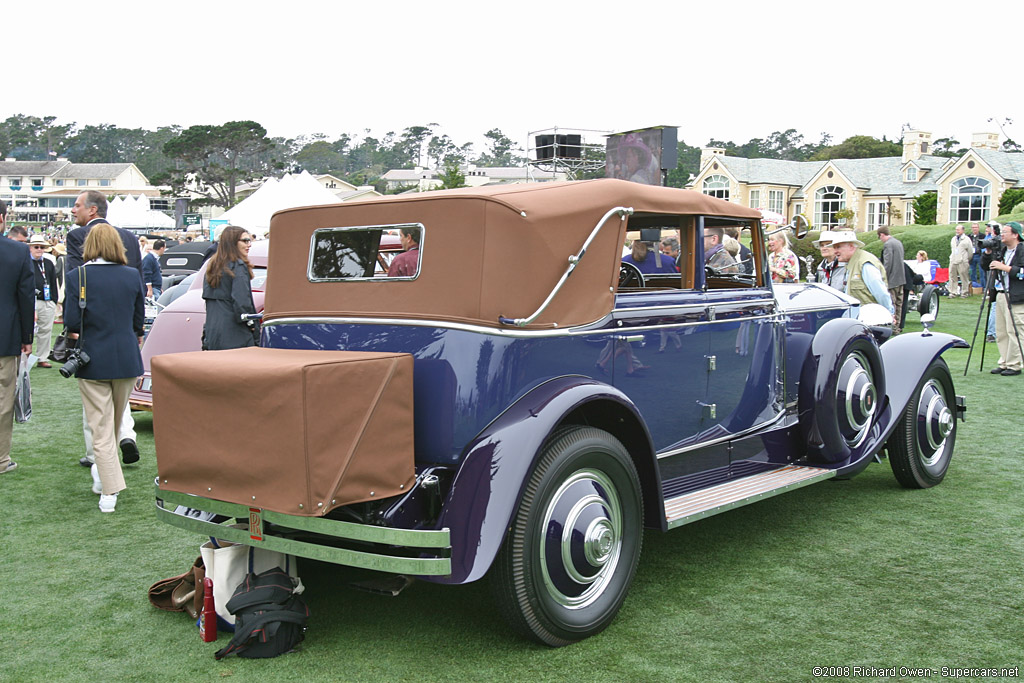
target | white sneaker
x=97, y=485
x=107, y=503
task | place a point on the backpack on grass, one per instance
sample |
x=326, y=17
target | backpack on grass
x=270, y=619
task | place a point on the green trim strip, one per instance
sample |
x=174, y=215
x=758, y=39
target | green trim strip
x=317, y=525
x=407, y=538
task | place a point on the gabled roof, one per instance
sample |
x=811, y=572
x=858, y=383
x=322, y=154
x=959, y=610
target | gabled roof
x=1009, y=165
x=92, y=170
x=770, y=171
x=32, y=168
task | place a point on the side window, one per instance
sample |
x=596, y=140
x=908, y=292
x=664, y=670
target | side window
x=658, y=253
x=732, y=252
x=365, y=253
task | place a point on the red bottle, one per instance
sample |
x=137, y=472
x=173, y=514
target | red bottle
x=208, y=617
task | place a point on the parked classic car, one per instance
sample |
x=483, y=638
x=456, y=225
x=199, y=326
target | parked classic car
x=522, y=406
x=179, y=326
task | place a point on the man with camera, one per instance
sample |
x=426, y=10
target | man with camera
x=1008, y=264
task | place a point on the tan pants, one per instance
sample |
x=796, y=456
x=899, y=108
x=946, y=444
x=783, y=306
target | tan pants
x=104, y=401
x=8, y=375
x=46, y=311
x=896, y=294
x=1006, y=339
x=960, y=272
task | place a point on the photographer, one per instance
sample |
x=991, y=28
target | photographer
x=1008, y=266
x=107, y=360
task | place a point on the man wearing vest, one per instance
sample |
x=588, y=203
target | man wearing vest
x=1008, y=265
x=865, y=275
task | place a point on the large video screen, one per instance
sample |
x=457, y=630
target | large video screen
x=635, y=156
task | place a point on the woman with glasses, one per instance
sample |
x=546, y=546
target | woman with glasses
x=228, y=293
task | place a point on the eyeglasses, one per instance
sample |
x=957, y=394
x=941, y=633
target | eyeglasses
x=36, y=246
x=247, y=240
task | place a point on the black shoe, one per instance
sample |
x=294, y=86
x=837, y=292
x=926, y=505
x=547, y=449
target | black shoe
x=997, y=371
x=85, y=462
x=1009, y=373
x=129, y=452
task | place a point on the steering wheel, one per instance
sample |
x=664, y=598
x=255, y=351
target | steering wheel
x=630, y=275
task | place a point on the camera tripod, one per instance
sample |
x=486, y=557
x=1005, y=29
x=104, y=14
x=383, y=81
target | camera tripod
x=985, y=308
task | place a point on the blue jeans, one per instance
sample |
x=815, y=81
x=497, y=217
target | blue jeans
x=976, y=277
x=992, y=322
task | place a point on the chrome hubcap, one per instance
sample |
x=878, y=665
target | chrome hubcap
x=935, y=422
x=857, y=399
x=582, y=538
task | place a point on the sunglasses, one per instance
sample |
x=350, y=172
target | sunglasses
x=36, y=246
x=247, y=240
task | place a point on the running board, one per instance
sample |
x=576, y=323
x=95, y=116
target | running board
x=690, y=507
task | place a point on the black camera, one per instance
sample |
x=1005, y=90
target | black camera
x=77, y=359
x=991, y=243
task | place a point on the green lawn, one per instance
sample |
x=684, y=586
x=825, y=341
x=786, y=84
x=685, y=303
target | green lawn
x=852, y=573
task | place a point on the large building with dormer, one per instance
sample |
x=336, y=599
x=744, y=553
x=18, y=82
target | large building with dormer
x=880, y=191
x=45, y=191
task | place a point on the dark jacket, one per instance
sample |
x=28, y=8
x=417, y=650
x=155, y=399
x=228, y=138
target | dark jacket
x=76, y=238
x=114, y=315
x=225, y=305
x=1016, y=274
x=17, y=297
x=151, y=273
x=46, y=276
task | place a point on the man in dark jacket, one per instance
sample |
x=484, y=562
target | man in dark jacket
x=1009, y=268
x=45, y=274
x=91, y=208
x=17, y=313
x=152, y=276
x=892, y=259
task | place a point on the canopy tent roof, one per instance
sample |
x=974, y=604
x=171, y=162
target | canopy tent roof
x=254, y=212
x=134, y=212
x=485, y=252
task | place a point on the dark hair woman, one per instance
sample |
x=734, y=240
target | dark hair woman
x=228, y=293
x=110, y=331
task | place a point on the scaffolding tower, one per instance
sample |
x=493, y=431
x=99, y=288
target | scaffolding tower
x=571, y=151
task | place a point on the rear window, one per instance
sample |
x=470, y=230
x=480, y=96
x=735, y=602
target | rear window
x=358, y=253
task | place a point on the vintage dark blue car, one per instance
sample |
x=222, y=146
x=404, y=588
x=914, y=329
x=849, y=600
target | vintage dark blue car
x=516, y=402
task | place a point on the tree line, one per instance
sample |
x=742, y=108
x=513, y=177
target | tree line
x=212, y=160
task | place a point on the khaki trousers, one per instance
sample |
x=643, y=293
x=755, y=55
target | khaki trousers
x=8, y=375
x=960, y=279
x=104, y=401
x=46, y=311
x=1006, y=340
x=896, y=294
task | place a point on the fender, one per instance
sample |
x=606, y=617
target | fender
x=821, y=413
x=489, y=484
x=904, y=359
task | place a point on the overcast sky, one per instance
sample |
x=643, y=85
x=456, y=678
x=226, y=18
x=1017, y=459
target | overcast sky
x=725, y=70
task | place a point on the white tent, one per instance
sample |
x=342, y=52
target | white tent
x=134, y=212
x=254, y=212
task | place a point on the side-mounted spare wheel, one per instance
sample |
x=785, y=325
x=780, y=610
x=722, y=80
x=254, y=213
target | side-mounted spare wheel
x=573, y=547
x=922, y=444
x=849, y=383
x=929, y=302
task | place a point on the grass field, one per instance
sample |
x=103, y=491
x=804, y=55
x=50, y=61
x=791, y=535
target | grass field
x=844, y=574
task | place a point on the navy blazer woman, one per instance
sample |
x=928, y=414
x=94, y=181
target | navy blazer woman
x=114, y=316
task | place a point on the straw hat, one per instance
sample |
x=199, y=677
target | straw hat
x=842, y=236
x=825, y=236
x=39, y=239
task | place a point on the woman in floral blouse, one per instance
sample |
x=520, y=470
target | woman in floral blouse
x=781, y=260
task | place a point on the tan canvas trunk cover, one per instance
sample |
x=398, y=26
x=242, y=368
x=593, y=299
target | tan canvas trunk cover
x=297, y=432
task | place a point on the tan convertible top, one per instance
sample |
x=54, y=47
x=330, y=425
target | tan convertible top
x=486, y=252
